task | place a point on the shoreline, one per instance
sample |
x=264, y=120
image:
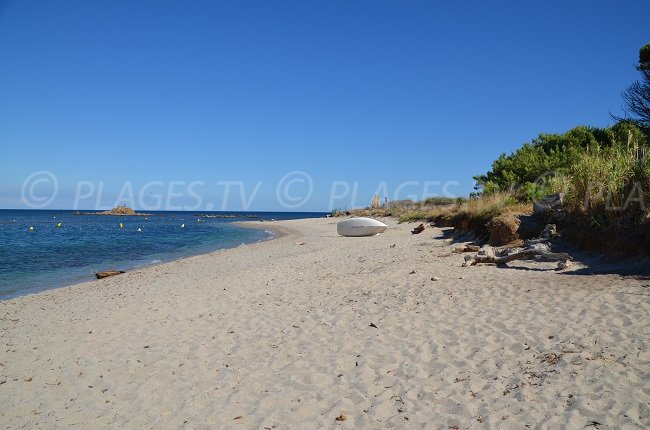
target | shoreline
x=277, y=232
x=297, y=331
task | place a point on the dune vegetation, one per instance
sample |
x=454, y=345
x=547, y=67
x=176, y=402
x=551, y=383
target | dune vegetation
x=601, y=176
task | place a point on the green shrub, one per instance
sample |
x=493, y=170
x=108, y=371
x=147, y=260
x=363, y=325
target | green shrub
x=553, y=153
x=603, y=172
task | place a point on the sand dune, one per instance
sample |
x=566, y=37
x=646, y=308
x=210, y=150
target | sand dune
x=295, y=332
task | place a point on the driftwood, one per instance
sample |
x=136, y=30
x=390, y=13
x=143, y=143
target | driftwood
x=526, y=254
x=550, y=232
x=534, y=248
x=100, y=275
x=466, y=248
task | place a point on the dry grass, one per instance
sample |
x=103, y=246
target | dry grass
x=475, y=209
x=474, y=212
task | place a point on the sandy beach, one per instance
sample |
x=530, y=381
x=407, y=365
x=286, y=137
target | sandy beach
x=313, y=330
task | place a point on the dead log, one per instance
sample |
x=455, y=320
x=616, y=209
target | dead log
x=487, y=251
x=100, y=275
x=526, y=254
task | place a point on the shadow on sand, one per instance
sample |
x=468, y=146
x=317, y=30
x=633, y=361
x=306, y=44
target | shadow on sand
x=593, y=264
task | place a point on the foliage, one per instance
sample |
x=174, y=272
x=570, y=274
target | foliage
x=612, y=184
x=441, y=201
x=603, y=173
x=644, y=57
x=530, y=172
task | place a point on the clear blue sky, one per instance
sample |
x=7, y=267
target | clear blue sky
x=368, y=91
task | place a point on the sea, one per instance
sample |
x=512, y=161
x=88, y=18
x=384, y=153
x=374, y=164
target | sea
x=45, y=249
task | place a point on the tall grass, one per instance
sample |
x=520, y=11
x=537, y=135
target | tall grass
x=608, y=183
x=475, y=210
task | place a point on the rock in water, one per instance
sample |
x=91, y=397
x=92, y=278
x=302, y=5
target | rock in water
x=100, y=275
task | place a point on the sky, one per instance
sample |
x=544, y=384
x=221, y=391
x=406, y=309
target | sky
x=293, y=105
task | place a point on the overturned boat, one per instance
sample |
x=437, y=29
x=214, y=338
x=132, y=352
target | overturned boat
x=360, y=226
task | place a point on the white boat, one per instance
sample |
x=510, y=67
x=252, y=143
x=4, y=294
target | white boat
x=360, y=226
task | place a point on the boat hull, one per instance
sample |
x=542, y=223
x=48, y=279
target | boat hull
x=360, y=227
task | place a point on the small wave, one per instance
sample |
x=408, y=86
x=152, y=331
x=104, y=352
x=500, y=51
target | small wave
x=147, y=263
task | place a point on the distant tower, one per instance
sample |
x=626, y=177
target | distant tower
x=375, y=202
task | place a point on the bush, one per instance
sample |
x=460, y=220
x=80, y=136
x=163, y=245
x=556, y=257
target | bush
x=603, y=172
x=526, y=171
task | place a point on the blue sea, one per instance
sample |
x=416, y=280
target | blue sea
x=44, y=249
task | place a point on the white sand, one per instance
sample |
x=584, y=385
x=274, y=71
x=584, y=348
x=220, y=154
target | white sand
x=279, y=334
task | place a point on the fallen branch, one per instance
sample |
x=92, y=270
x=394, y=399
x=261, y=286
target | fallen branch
x=466, y=248
x=526, y=254
x=534, y=248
